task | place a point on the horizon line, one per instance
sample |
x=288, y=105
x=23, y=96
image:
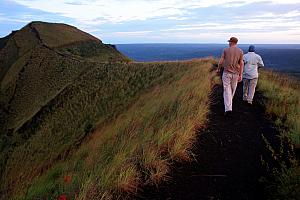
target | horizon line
x=205, y=43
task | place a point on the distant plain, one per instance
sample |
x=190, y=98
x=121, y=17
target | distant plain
x=280, y=57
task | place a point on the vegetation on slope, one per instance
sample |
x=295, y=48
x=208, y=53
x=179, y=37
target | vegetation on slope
x=37, y=71
x=160, y=130
x=282, y=103
x=29, y=66
x=24, y=86
x=5, y=39
x=90, y=50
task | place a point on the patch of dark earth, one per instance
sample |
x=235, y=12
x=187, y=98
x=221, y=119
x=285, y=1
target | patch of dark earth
x=228, y=155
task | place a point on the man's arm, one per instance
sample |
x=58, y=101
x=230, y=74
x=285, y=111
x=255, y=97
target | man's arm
x=241, y=63
x=221, y=61
x=260, y=62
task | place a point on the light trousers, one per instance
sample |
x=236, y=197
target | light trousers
x=249, y=86
x=230, y=82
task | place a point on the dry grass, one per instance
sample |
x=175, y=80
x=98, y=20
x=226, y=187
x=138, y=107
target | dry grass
x=34, y=81
x=98, y=95
x=138, y=146
x=74, y=107
x=30, y=69
x=282, y=103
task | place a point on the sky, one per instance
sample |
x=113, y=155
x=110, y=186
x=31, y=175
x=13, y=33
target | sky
x=164, y=21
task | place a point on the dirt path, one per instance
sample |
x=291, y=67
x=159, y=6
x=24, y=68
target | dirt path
x=228, y=154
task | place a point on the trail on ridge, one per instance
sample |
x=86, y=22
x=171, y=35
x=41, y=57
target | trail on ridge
x=228, y=156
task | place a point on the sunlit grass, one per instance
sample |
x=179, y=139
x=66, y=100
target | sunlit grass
x=283, y=102
x=139, y=145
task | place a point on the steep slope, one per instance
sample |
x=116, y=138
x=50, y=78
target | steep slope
x=25, y=83
x=38, y=58
x=59, y=85
x=120, y=123
x=5, y=39
x=35, y=68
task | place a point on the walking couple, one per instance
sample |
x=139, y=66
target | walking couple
x=237, y=68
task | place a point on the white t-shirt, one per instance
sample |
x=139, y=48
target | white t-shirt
x=251, y=63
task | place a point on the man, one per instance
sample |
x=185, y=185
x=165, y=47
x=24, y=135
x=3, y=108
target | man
x=252, y=62
x=232, y=61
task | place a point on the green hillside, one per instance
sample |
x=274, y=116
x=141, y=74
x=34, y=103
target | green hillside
x=31, y=63
x=133, y=127
x=74, y=107
x=5, y=39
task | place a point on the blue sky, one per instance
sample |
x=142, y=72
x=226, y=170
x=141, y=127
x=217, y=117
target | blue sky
x=171, y=21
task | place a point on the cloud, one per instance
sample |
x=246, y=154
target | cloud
x=101, y=11
x=5, y=19
x=170, y=19
x=132, y=33
x=247, y=25
x=290, y=14
x=215, y=37
x=118, y=11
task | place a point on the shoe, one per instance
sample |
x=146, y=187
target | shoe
x=249, y=103
x=228, y=114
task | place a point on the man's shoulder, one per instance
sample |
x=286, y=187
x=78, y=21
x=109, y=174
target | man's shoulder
x=257, y=55
x=233, y=48
x=246, y=55
x=226, y=49
x=237, y=49
x=240, y=50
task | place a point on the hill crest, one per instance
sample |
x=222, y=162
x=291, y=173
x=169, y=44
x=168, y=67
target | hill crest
x=57, y=35
x=44, y=56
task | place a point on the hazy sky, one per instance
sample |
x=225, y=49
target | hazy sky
x=172, y=21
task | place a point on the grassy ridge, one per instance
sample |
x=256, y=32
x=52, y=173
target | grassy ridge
x=93, y=51
x=282, y=103
x=97, y=97
x=43, y=57
x=57, y=34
